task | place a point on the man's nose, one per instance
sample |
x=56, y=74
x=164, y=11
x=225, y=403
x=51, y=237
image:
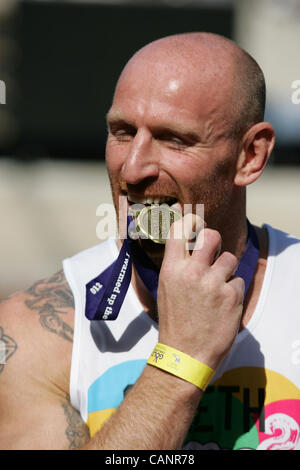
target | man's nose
x=140, y=162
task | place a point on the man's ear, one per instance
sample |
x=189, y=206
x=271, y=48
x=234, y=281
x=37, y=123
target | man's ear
x=257, y=145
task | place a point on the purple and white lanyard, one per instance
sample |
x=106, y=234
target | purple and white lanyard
x=105, y=293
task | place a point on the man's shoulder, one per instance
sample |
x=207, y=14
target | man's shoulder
x=36, y=342
x=49, y=300
x=37, y=324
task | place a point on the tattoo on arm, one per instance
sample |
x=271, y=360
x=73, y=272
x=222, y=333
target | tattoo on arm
x=77, y=431
x=8, y=347
x=51, y=298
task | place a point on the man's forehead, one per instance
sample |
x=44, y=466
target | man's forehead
x=164, y=91
x=154, y=71
x=173, y=69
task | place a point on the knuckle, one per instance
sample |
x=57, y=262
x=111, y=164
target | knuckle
x=212, y=236
x=230, y=258
x=237, y=287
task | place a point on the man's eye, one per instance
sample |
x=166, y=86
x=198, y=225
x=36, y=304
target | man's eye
x=177, y=141
x=172, y=140
x=124, y=134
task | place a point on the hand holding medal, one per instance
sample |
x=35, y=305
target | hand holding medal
x=200, y=302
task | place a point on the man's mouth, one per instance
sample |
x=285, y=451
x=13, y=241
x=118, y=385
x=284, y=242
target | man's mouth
x=148, y=200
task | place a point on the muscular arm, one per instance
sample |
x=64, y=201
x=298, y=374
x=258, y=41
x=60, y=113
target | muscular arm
x=200, y=307
x=36, y=345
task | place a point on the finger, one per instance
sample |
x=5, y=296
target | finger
x=225, y=265
x=193, y=225
x=175, y=243
x=238, y=284
x=207, y=246
x=180, y=232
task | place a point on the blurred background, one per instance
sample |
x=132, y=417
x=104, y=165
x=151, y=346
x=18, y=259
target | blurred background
x=59, y=62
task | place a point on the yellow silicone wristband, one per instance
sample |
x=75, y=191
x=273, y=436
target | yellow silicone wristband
x=182, y=365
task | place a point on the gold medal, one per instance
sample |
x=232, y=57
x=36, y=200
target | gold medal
x=154, y=221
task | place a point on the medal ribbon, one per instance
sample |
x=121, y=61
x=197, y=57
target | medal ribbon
x=105, y=293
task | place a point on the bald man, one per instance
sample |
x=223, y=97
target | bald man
x=185, y=127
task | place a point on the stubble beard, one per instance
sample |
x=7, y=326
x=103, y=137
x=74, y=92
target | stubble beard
x=215, y=194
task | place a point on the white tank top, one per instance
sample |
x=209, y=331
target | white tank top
x=253, y=401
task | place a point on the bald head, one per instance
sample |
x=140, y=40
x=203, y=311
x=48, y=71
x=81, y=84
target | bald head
x=227, y=73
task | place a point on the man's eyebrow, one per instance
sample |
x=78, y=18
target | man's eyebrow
x=114, y=116
x=164, y=127
x=117, y=119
